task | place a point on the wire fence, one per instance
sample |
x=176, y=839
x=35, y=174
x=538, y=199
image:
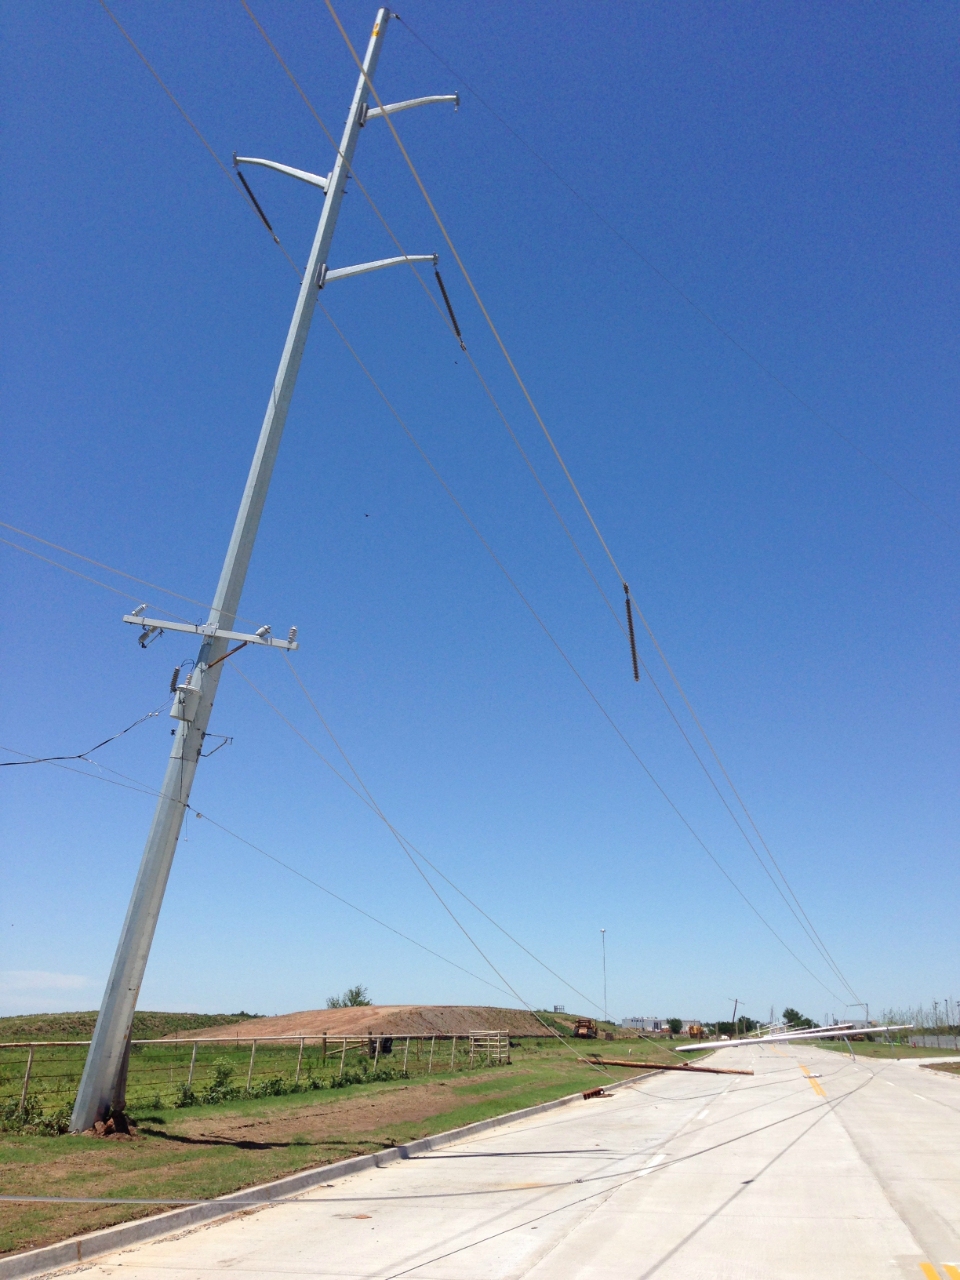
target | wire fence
x=180, y=1073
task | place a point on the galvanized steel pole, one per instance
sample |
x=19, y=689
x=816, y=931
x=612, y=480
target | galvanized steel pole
x=103, y=1072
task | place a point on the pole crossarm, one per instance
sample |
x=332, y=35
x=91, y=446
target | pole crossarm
x=341, y=273
x=211, y=631
x=103, y=1084
x=313, y=178
x=392, y=108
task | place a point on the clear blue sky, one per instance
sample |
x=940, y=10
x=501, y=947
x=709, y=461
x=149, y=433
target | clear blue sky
x=793, y=169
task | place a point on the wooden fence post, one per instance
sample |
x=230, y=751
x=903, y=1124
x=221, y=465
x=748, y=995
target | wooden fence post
x=323, y=1048
x=193, y=1062
x=26, y=1079
x=253, y=1052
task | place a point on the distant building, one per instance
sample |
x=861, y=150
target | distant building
x=656, y=1024
x=559, y=1008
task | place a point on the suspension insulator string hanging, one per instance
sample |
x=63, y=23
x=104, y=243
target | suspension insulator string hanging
x=633, y=641
x=453, y=318
x=256, y=204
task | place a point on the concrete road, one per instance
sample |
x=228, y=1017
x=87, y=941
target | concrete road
x=816, y=1167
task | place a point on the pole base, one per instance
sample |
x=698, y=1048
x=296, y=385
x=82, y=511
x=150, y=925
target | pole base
x=118, y=1123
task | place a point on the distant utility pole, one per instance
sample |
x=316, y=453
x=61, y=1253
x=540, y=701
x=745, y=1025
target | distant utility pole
x=603, y=946
x=103, y=1084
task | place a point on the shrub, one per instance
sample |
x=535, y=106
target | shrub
x=272, y=1087
x=30, y=1119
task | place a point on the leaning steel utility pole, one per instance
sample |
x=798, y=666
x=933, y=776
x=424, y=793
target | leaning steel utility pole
x=103, y=1084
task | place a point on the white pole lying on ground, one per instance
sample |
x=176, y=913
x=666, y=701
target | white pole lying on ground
x=818, y=1033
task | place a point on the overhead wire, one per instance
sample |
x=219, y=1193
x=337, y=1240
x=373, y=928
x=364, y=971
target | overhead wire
x=456, y=888
x=137, y=50
x=348, y=164
x=375, y=808
x=679, y=290
x=128, y=595
x=353, y=907
x=100, y=565
x=487, y=547
x=527, y=395
x=473, y=289
x=451, y=324
x=276, y=239
x=143, y=788
x=82, y=755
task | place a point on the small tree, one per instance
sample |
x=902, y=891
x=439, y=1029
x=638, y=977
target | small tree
x=351, y=998
x=793, y=1018
x=675, y=1025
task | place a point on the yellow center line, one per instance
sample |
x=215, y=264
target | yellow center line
x=953, y=1273
x=931, y=1271
x=819, y=1090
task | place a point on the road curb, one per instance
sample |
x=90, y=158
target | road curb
x=54, y=1257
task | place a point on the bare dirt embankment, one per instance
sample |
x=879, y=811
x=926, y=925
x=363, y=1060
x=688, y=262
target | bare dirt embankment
x=380, y=1020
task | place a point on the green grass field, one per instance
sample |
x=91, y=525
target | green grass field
x=159, y=1073
x=206, y=1151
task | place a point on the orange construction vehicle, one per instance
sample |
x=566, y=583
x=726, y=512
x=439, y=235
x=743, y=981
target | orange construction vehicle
x=585, y=1028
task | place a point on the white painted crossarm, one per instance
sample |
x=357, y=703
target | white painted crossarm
x=341, y=273
x=313, y=178
x=206, y=629
x=392, y=108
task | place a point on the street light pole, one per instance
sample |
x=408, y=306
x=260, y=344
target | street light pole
x=603, y=945
x=102, y=1086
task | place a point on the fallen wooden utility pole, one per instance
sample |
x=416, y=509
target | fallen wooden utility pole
x=667, y=1066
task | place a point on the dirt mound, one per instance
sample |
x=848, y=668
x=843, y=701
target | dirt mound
x=381, y=1020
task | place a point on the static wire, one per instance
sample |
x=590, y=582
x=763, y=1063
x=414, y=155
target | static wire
x=526, y=393
x=516, y=374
